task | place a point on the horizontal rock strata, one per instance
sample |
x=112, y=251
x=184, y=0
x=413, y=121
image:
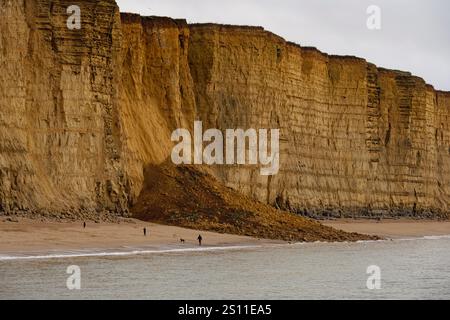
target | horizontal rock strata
x=83, y=112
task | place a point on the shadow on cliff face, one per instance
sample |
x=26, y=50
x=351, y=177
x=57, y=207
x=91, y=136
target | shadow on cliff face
x=189, y=196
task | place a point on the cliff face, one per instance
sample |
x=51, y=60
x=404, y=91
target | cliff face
x=60, y=142
x=354, y=138
x=83, y=112
x=155, y=91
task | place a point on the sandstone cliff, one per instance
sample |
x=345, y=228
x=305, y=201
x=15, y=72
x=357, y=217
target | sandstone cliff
x=356, y=139
x=83, y=112
x=60, y=142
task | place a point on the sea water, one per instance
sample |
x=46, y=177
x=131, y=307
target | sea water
x=408, y=269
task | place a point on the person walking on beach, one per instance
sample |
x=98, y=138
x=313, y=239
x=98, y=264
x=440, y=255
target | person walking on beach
x=84, y=225
x=145, y=232
x=199, y=240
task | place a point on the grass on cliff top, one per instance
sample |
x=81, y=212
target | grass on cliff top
x=189, y=197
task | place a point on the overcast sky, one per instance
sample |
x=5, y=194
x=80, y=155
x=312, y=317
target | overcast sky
x=414, y=34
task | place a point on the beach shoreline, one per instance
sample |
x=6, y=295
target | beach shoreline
x=28, y=237
x=391, y=228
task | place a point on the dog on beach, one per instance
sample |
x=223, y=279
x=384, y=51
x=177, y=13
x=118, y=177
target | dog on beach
x=182, y=240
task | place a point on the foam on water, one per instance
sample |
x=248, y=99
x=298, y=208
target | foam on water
x=436, y=237
x=86, y=254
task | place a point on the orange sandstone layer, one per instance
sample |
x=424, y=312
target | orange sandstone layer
x=83, y=112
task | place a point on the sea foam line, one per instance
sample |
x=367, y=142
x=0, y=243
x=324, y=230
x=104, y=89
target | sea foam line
x=123, y=253
x=441, y=237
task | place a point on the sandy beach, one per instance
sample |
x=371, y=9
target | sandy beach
x=30, y=236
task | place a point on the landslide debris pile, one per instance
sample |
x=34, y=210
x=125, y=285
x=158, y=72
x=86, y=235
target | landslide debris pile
x=189, y=197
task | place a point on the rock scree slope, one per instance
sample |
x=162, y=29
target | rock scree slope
x=189, y=197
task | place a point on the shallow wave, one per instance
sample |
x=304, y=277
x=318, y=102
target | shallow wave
x=71, y=254
x=441, y=237
x=437, y=237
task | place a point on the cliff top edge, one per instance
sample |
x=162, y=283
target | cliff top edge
x=168, y=22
